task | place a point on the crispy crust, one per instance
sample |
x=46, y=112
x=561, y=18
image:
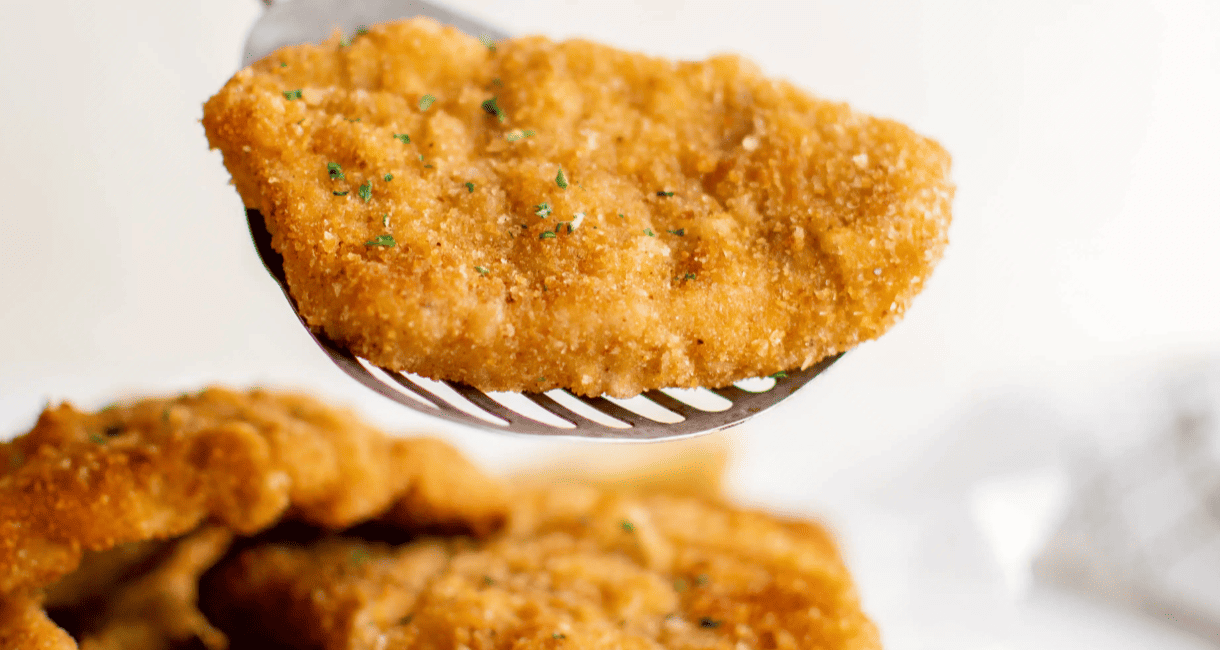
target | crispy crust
x=158, y=468
x=806, y=227
x=681, y=573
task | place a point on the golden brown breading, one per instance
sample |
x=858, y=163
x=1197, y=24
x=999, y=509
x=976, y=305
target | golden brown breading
x=158, y=468
x=577, y=567
x=159, y=609
x=715, y=225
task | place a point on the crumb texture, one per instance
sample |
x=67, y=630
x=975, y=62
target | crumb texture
x=577, y=567
x=715, y=224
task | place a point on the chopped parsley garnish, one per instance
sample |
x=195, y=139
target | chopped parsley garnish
x=388, y=177
x=689, y=276
x=709, y=622
x=491, y=108
x=481, y=270
x=665, y=193
x=343, y=193
x=96, y=439
x=628, y=526
x=780, y=375
x=487, y=41
x=620, y=216
x=558, y=635
x=283, y=64
x=354, y=119
x=681, y=232
x=381, y=240
x=469, y=187
x=543, y=210
x=427, y=166
x=406, y=139
x=344, y=42
x=359, y=556
x=421, y=157
x=362, y=30
x=385, y=220
x=426, y=102
x=542, y=379
x=488, y=580
x=514, y=136
x=702, y=579
x=561, y=180
x=292, y=94
x=649, y=232
x=497, y=82
x=336, y=172
x=546, y=234
x=679, y=584
x=165, y=414
x=366, y=191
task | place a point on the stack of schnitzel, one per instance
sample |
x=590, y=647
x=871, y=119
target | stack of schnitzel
x=255, y=520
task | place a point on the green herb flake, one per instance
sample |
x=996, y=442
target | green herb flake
x=343, y=193
x=689, y=276
x=561, y=180
x=362, y=30
x=488, y=42
x=702, y=579
x=663, y=193
x=96, y=439
x=543, y=210
x=620, y=216
x=649, y=232
x=165, y=414
x=336, y=172
x=421, y=157
x=497, y=82
x=366, y=191
x=385, y=220
x=292, y=94
x=283, y=64
x=709, y=622
x=492, y=108
x=481, y=270
x=381, y=240
x=546, y=234
x=679, y=585
x=357, y=119
x=469, y=187
x=426, y=102
x=428, y=166
x=628, y=526
x=344, y=42
x=388, y=177
x=542, y=379
x=558, y=635
x=779, y=375
x=16, y=460
x=406, y=139
x=514, y=136
x=488, y=580
x=359, y=556
x=681, y=232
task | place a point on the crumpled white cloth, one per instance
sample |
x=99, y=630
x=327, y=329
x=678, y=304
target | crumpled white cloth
x=1141, y=528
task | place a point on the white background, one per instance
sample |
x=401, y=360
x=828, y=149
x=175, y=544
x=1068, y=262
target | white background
x=1086, y=145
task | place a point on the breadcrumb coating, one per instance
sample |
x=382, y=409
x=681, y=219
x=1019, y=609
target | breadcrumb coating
x=577, y=567
x=159, y=468
x=564, y=214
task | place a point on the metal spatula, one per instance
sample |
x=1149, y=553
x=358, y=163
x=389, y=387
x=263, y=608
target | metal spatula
x=654, y=415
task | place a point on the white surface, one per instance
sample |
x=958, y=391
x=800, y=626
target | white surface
x=1087, y=225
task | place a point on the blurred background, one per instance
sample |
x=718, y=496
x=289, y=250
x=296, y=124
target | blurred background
x=1029, y=460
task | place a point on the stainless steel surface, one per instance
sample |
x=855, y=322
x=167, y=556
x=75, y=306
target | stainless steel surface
x=655, y=415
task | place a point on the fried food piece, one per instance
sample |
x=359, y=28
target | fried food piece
x=159, y=610
x=577, y=567
x=158, y=468
x=545, y=214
